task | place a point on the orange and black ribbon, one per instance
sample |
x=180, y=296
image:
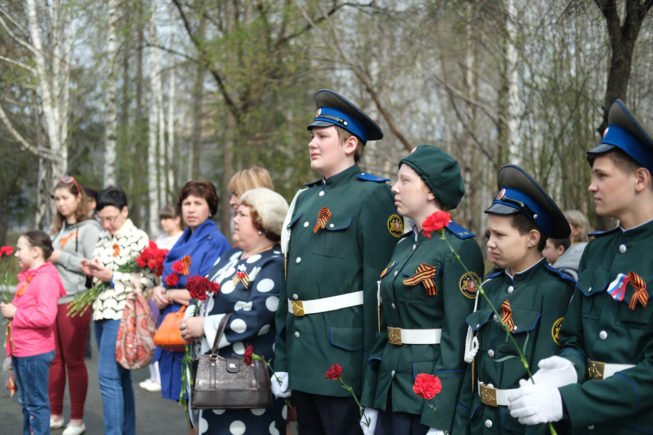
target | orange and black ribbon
x=506, y=315
x=185, y=262
x=425, y=275
x=640, y=295
x=242, y=277
x=323, y=217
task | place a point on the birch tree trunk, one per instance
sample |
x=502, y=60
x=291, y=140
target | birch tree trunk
x=153, y=128
x=52, y=73
x=512, y=78
x=170, y=147
x=111, y=127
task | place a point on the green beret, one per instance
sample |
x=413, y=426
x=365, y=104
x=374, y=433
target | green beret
x=440, y=172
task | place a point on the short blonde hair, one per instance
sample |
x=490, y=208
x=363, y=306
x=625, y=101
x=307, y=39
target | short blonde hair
x=577, y=219
x=249, y=178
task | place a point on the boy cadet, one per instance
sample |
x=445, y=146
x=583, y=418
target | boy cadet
x=530, y=296
x=607, y=344
x=343, y=229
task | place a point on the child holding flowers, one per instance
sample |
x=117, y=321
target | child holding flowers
x=30, y=341
x=522, y=306
x=425, y=293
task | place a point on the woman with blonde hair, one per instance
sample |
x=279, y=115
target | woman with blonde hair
x=246, y=179
x=580, y=227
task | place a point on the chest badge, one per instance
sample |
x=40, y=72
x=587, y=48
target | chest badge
x=617, y=289
x=506, y=315
x=323, y=217
x=425, y=275
x=385, y=271
x=395, y=225
x=241, y=276
x=468, y=284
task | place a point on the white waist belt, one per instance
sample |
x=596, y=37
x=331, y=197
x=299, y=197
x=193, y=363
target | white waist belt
x=332, y=303
x=601, y=370
x=493, y=396
x=399, y=336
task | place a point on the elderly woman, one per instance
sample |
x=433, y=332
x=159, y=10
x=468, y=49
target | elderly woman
x=252, y=298
x=425, y=294
x=120, y=243
x=197, y=248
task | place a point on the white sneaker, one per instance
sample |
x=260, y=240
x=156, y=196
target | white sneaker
x=56, y=423
x=150, y=385
x=74, y=429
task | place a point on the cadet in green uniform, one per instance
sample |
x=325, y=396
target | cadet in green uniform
x=530, y=296
x=607, y=337
x=425, y=295
x=343, y=229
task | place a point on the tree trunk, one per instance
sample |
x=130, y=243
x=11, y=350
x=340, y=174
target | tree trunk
x=111, y=127
x=153, y=151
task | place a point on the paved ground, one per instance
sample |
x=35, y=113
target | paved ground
x=154, y=415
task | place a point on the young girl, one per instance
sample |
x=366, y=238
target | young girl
x=32, y=313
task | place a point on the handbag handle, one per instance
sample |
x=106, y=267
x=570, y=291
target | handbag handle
x=220, y=333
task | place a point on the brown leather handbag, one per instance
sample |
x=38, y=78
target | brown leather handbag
x=167, y=335
x=229, y=383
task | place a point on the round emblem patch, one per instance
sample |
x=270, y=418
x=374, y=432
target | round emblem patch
x=555, y=329
x=395, y=225
x=468, y=284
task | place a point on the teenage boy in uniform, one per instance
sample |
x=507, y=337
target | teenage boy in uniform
x=343, y=229
x=602, y=380
x=530, y=297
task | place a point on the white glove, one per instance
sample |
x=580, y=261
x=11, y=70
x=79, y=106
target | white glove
x=434, y=431
x=279, y=383
x=535, y=404
x=368, y=421
x=555, y=372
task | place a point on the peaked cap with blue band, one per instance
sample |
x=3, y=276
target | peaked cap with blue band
x=334, y=109
x=519, y=193
x=626, y=133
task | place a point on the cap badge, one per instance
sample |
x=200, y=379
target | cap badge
x=318, y=113
x=501, y=194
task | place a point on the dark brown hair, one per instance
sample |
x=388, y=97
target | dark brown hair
x=40, y=240
x=524, y=225
x=201, y=189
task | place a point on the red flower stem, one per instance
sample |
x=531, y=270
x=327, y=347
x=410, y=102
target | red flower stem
x=481, y=290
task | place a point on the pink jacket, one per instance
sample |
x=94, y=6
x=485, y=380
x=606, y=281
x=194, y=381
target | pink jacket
x=37, y=293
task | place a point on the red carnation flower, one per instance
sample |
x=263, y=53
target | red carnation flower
x=182, y=266
x=172, y=280
x=247, y=357
x=334, y=372
x=199, y=287
x=435, y=222
x=6, y=250
x=427, y=386
x=141, y=262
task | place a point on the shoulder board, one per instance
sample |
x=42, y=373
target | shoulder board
x=562, y=275
x=493, y=274
x=313, y=183
x=601, y=233
x=366, y=176
x=459, y=231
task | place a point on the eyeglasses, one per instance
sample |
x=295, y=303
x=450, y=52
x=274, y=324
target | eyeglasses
x=110, y=220
x=67, y=179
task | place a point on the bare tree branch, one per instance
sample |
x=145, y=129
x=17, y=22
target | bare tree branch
x=37, y=151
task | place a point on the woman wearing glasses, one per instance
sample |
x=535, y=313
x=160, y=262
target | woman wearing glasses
x=76, y=236
x=197, y=248
x=120, y=243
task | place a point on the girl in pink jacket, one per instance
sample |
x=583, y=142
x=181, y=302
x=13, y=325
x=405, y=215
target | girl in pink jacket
x=32, y=312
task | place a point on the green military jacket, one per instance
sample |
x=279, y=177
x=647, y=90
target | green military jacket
x=600, y=328
x=345, y=256
x=392, y=369
x=539, y=298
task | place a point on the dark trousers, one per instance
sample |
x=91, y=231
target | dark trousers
x=326, y=415
x=399, y=423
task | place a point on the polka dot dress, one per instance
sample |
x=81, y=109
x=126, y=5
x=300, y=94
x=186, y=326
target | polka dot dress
x=250, y=290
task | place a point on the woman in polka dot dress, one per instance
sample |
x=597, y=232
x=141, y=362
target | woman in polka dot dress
x=251, y=277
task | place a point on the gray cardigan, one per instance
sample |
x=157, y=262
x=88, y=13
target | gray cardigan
x=75, y=242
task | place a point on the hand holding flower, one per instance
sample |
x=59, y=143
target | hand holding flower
x=8, y=310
